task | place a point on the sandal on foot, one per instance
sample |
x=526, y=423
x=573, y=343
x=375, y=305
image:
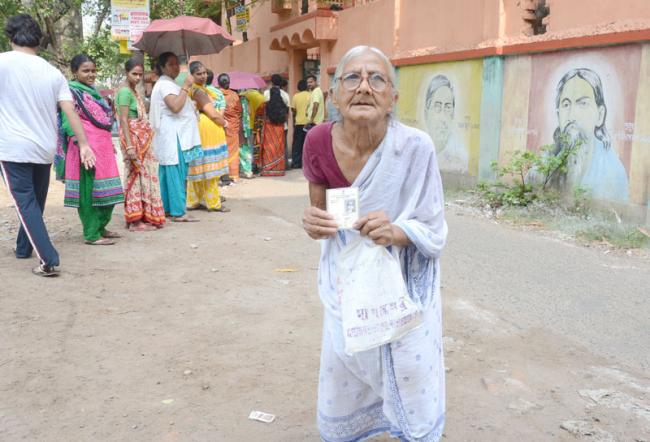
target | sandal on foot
x=196, y=207
x=222, y=199
x=101, y=242
x=109, y=234
x=220, y=209
x=142, y=228
x=45, y=271
x=184, y=219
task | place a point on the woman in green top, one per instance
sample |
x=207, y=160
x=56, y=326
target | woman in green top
x=94, y=192
x=143, y=208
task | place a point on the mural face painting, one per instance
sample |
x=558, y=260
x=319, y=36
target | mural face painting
x=444, y=100
x=581, y=113
x=439, y=110
x=594, y=102
x=587, y=99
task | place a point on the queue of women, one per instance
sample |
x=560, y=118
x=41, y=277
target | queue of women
x=176, y=159
x=175, y=155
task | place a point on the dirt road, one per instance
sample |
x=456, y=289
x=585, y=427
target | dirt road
x=176, y=335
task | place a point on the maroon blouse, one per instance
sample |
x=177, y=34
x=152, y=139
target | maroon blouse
x=318, y=161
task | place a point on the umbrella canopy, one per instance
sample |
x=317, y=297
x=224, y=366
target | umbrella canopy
x=245, y=80
x=183, y=35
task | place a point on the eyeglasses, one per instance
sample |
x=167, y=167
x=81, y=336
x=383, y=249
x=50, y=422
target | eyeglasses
x=352, y=81
x=439, y=107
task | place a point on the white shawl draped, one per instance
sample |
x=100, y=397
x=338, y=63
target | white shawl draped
x=398, y=387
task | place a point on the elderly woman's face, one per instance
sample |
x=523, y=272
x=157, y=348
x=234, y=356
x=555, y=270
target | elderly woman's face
x=373, y=98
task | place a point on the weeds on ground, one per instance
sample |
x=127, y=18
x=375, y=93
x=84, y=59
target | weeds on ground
x=624, y=237
x=575, y=218
x=524, y=194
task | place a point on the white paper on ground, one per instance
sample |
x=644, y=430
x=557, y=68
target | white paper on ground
x=261, y=416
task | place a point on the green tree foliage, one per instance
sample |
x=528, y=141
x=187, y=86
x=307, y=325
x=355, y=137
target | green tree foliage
x=106, y=53
x=7, y=9
x=209, y=9
x=60, y=21
x=171, y=8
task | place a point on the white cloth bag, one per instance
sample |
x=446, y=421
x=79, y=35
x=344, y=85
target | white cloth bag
x=375, y=304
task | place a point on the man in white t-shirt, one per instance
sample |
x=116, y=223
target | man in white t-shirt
x=31, y=91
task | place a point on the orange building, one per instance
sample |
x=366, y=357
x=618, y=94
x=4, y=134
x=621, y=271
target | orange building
x=508, y=70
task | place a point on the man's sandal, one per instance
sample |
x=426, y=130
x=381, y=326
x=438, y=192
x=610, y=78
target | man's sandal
x=45, y=271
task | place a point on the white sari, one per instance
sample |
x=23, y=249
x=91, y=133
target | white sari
x=398, y=387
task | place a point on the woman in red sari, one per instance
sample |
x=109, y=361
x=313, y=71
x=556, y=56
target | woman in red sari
x=143, y=209
x=232, y=113
x=272, y=152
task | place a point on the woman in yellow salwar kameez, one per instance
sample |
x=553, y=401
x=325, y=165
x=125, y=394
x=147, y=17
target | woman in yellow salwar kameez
x=204, y=173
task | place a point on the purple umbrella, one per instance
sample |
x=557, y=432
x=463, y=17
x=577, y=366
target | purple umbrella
x=245, y=80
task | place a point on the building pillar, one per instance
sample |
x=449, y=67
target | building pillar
x=325, y=62
x=296, y=60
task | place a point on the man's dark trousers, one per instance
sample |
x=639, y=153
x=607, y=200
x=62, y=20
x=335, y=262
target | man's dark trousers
x=296, y=149
x=28, y=184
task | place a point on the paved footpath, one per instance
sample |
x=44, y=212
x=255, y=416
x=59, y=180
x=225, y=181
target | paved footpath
x=177, y=335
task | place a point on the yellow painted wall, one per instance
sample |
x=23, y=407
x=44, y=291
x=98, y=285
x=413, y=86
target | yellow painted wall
x=514, y=112
x=466, y=80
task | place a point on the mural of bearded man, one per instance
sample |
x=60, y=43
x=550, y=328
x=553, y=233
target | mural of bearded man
x=582, y=113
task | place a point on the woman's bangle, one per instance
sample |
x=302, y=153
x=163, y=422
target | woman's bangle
x=130, y=148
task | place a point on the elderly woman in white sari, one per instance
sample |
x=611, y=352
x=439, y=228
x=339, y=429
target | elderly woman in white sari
x=397, y=387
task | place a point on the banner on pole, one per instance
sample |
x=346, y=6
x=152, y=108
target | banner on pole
x=243, y=16
x=128, y=19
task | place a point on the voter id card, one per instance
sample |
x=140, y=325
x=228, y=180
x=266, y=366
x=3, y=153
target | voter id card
x=343, y=205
